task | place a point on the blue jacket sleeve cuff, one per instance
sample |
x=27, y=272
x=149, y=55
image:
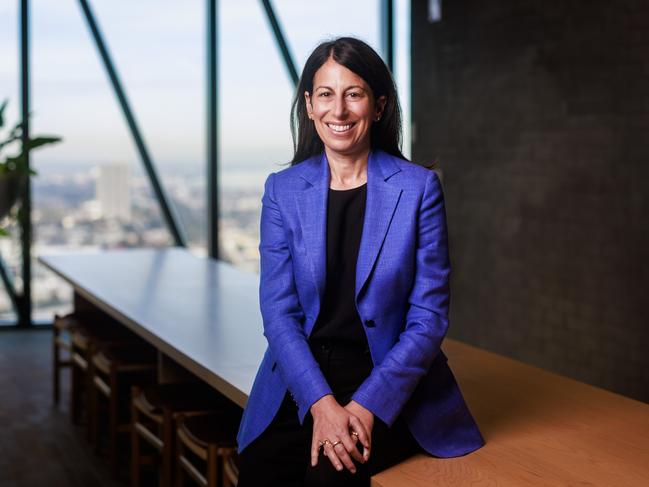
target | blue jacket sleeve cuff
x=381, y=409
x=317, y=388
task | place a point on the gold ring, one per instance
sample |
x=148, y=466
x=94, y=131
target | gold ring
x=336, y=443
x=354, y=433
x=325, y=441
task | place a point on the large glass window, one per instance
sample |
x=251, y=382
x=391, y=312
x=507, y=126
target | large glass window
x=9, y=83
x=91, y=191
x=307, y=24
x=255, y=95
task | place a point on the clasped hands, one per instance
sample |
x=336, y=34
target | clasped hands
x=337, y=429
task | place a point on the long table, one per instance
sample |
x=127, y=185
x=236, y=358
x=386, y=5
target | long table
x=200, y=313
x=541, y=428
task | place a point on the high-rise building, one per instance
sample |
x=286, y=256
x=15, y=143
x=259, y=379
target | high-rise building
x=113, y=191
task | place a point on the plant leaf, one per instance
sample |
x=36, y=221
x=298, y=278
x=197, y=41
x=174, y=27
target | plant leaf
x=9, y=141
x=4, y=233
x=43, y=140
x=2, y=112
x=17, y=130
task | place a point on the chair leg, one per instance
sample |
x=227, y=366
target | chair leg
x=74, y=394
x=214, y=470
x=89, y=390
x=113, y=424
x=135, y=448
x=229, y=474
x=93, y=418
x=180, y=474
x=167, y=448
x=56, y=354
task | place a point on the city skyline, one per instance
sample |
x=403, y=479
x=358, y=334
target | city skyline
x=66, y=218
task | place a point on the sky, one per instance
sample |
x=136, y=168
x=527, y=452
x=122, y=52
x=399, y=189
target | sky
x=158, y=49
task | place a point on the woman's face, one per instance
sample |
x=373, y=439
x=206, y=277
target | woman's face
x=342, y=108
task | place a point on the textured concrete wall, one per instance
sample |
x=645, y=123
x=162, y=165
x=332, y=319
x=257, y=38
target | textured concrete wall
x=539, y=115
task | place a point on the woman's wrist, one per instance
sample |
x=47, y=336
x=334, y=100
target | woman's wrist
x=325, y=401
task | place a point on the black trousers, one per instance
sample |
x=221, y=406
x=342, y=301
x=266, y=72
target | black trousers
x=281, y=455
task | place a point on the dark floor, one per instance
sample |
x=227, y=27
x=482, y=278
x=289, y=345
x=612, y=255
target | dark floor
x=38, y=444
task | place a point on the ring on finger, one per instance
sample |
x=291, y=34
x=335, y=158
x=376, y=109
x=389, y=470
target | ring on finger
x=338, y=442
x=355, y=433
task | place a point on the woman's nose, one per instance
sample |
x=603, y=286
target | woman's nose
x=340, y=108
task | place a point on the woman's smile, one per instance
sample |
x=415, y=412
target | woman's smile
x=340, y=128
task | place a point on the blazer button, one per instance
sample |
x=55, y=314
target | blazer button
x=370, y=323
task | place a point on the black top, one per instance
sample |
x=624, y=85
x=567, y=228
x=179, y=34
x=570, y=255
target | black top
x=338, y=321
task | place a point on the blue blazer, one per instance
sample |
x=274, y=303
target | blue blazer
x=402, y=297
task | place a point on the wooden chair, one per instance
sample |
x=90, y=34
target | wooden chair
x=92, y=331
x=80, y=345
x=231, y=469
x=61, y=341
x=154, y=413
x=211, y=438
x=115, y=369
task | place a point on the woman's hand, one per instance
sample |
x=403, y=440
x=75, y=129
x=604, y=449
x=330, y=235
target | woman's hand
x=335, y=423
x=366, y=416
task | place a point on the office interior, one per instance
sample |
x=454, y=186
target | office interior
x=143, y=210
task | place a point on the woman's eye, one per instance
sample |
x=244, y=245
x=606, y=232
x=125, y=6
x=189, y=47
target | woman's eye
x=354, y=94
x=325, y=94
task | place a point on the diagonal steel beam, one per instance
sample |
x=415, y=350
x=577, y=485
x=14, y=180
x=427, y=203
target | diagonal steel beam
x=281, y=41
x=212, y=130
x=167, y=210
x=387, y=32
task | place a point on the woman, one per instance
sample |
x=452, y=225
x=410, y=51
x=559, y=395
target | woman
x=353, y=293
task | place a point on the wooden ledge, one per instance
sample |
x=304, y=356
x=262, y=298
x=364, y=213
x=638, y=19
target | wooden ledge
x=540, y=429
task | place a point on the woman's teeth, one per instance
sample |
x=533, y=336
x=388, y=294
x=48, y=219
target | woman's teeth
x=340, y=128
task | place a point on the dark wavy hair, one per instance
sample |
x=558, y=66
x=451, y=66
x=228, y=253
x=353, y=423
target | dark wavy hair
x=360, y=58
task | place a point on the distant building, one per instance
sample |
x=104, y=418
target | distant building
x=113, y=191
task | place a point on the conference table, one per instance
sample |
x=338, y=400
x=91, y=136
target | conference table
x=203, y=317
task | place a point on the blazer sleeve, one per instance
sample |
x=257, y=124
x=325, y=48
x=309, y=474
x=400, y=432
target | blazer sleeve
x=282, y=313
x=392, y=382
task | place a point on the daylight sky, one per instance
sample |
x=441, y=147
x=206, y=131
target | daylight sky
x=158, y=49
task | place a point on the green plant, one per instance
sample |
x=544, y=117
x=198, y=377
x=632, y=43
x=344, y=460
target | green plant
x=14, y=168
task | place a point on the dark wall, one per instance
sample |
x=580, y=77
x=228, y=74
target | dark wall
x=539, y=115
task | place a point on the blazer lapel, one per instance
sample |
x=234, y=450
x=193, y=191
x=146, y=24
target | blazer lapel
x=381, y=203
x=312, y=211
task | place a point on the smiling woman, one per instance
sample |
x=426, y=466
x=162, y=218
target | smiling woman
x=343, y=108
x=353, y=292
x=347, y=85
